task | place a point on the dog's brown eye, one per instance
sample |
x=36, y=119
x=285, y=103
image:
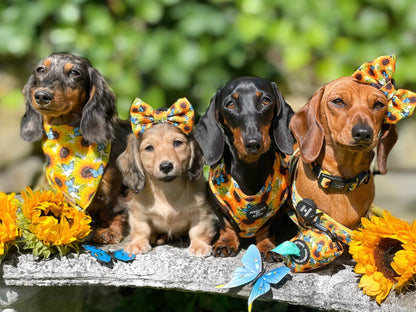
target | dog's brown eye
x=74, y=73
x=40, y=69
x=177, y=143
x=266, y=101
x=149, y=148
x=338, y=102
x=230, y=105
x=378, y=105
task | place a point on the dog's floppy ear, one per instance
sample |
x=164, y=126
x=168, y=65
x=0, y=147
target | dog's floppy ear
x=196, y=162
x=306, y=128
x=385, y=144
x=98, y=119
x=130, y=165
x=31, y=125
x=280, y=124
x=210, y=134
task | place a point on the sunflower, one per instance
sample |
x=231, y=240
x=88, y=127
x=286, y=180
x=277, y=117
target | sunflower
x=9, y=230
x=50, y=224
x=385, y=252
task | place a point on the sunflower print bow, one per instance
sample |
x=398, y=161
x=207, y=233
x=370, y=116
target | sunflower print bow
x=379, y=73
x=142, y=116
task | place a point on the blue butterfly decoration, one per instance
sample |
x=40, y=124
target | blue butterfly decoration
x=98, y=172
x=105, y=257
x=253, y=272
x=68, y=168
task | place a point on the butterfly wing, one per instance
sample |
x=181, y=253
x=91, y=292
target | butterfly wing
x=252, y=259
x=287, y=248
x=98, y=253
x=262, y=285
x=123, y=255
x=252, y=267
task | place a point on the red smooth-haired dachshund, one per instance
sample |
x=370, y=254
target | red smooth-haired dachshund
x=337, y=130
x=65, y=89
x=244, y=135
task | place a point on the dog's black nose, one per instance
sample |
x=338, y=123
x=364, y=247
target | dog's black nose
x=43, y=97
x=253, y=145
x=362, y=134
x=166, y=167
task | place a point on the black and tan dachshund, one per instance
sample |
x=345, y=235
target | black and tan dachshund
x=244, y=135
x=65, y=89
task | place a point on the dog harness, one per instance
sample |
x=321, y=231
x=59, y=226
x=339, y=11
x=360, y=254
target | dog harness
x=321, y=239
x=250, y=212
x=379, y=73
x=74, y=166
x=180, y=114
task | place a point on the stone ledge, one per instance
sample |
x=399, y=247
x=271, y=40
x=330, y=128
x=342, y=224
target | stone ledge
x=170, y=267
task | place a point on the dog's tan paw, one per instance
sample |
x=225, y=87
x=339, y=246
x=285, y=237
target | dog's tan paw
x=138, y=247
x=107, y=236
x=200, y=249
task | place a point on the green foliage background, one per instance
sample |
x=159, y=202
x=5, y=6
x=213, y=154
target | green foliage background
x=160, y=50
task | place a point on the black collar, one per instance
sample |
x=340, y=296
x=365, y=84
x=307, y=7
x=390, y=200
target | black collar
x=336, y=183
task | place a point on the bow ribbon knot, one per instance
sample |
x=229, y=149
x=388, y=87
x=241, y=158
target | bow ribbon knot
x=142, y=116
x=379, y=73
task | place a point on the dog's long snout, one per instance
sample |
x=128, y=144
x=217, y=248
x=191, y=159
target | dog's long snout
x=166, y=167
x=43, y=97
x=253, y=144
x=362, y=134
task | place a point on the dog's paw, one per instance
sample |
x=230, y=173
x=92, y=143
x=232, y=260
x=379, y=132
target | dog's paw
x=138, y=247
x=199, y=249
x=265, y=248
x=225, y=248
x=107, y=236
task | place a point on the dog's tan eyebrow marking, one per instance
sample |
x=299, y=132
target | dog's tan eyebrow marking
x=258, y=93
x=68, y=66
x=235, y=95
x=47, y=62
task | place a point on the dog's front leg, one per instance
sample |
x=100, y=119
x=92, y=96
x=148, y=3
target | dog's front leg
x=228, y=242
x=140, y=235
x=265, y=243
x=201, y=233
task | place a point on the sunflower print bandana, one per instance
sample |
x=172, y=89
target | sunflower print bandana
x=74, y=166
x=250, y=212
x=379, y=73
x=142, y=116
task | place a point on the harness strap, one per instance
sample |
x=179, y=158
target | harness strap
x=321, y=239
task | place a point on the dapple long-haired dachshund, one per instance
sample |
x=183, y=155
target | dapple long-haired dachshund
x=66, y=93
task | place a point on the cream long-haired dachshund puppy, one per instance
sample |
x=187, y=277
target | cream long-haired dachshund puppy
x=163, y=167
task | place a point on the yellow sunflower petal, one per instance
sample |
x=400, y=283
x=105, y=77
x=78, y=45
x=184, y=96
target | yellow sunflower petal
x=46, y=214
x=385, y=251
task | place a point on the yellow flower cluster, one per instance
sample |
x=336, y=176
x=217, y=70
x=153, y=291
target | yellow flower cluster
x=9, y=231
x=48, y=222
x=385, y=252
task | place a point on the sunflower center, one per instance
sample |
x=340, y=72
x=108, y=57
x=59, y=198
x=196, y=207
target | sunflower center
x=383, y=255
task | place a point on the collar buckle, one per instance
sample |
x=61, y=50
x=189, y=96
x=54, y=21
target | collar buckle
x=331, y=182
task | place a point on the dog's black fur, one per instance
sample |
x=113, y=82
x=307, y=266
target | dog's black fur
x=246, y=123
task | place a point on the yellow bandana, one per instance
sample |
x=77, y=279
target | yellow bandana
x=250, y=212
x=73, y=166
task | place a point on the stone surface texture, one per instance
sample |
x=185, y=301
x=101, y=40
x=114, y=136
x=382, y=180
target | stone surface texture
x=26, y=283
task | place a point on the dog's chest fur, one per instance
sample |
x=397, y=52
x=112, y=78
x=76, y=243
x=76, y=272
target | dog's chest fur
x=170, y=207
